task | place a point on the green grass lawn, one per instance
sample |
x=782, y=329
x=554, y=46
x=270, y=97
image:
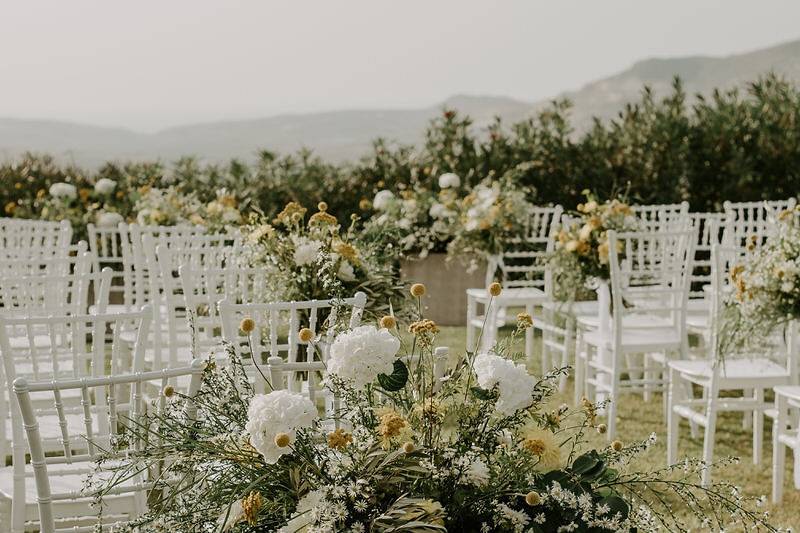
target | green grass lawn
x=637, y=419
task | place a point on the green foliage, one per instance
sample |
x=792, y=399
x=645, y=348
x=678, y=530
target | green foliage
x=730, y=145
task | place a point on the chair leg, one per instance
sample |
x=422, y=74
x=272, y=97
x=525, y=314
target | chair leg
x=778, y=463
x=611, y=410
x=529, y=338
x=673, y=420
x=747, y=416
x=758, y=427
x=689, y=394
x=569, y=331
x=708, y=444
x=647, y=391
x=470, y=317
x=579, y=378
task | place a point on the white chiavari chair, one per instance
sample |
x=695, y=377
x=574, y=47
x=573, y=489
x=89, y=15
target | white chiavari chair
x=661, y=217
x=785, y=435
x=749, y=224
x=521, y=271
x=64, y=496
x=650, y=273
x=111, y=248
x=76, y=350
x=20, y=236
x=277, y=332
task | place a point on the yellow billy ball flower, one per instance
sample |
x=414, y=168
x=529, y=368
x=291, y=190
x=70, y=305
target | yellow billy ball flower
x=282, y=440
x=388, y=322
x=524, y=320
x=602, y=428
x=495, y=289
x=322, y=206
x=247, y=325
x=417, y=289
x=169, y=391
x=533, y=498
x=617, y=446
x=408, y=447
x=306, y=335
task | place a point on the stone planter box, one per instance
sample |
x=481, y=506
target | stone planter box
x=447, y=282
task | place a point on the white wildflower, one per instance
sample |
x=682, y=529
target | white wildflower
x=63, y=190
x=108, y=220
x=346, y=272
x=382, y=200
x=449, y=180
x=306, y=251
x=105, y=186
x=305, y=514
x=477, y=473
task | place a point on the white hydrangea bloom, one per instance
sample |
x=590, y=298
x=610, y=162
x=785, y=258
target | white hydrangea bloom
x=306, y=251
x=280, y=411
x=362, y=353
x=305, y=514
x=105, y=186
x=108, y=220
x=63, y=190
x=514, y=383
x=449, y=180
x=477, y=473
x=382, y=200
x=438, y=210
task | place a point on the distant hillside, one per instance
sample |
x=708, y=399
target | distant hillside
x=341, y=135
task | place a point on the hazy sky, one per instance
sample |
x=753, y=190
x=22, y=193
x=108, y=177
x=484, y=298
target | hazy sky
x=147, y=64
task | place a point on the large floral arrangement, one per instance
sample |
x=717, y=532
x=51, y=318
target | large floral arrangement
x=582, y=248
x=98, y=204
x=314, y=258
x=473, y=447
x=422, y=219
x=767, y=280
x=493, y=214
x=167, y=207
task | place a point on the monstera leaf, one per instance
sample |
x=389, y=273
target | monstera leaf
x=397, y=379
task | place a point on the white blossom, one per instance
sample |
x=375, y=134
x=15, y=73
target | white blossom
x=280, y=411
x=346, y=272
x=305, y=514
x=108, y=219
x=63, y=190
x=514, y=383
x=382, y=200
x=105, y=186
x=306, y=251
x=449, y=180
x=362, y=353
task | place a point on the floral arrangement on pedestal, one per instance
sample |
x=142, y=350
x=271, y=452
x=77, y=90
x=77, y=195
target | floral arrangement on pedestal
x=419, y=444
x=314, y=258
x=493, y=214
x=422, y=219
x=581, y=251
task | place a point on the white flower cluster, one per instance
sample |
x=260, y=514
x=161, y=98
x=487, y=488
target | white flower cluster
x=514, y=383
x=360, y=354
x=449, y=181
x=280, y=411
x=382, y=200
x=105, y=186
x=306, y=251
x=108, y=220
x=306, y=514
x=485, y=198
x=64, y=191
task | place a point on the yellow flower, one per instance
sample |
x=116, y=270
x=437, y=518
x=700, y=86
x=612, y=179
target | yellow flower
x=169, y=391
x=589, y=206
x=347, y=251
x=364, y=204
x=617, y=446
x=417, y=289
x=533, y=499
x=571, y=246
x=542, y=443
x=495, y=289
x=423, y=326
x=264, y=230
x=322, y=217
x=322, y=206
x=251, y=505
x=282, y=440
x=388, y=322
x=10, y=208
x=524, y=320
x=602, y=252
x=196, y=219
x=292, y=213
x=247, y=325
x=602, y=428
x=339, y=439
x=306, y=335
x=391, y=425
x=228, y=200
x=585, y=233
x=408, y=447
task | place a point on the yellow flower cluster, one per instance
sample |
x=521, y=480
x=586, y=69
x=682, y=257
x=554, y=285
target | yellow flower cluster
x=424, y=326
x=339, y=439
x=292, y=213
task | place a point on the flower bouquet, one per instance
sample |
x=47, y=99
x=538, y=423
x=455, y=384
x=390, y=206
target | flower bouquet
x=581, y=251
x=167, y=207
x=312, y=258
x=419, y=444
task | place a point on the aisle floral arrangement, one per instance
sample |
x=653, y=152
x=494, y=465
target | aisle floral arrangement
x=582, y=250
x=314, y=258
x=420, y=444
x=767, y=284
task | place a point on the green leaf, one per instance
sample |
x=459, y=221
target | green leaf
x=617, y=505
x=483, y=394
x=586, y=462
x=397, y=379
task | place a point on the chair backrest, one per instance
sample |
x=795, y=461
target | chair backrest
x=53, y=295
x=662, y=217
x=749, y=224
x=100, y=426
x=650, y=274
x=204, y=287
x=165, y=255
x=277, y=328
x=22, y=234
x=141, y=275
x=709, y=228
x=110, y=244
x=522, y=263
